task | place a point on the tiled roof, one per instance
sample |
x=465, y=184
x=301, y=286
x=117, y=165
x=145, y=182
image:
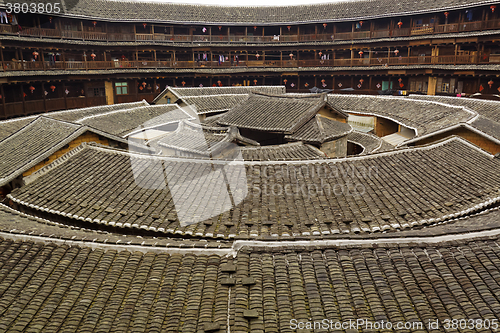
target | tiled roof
x=286, y=152
x=487, y=126
x=83, y=288
x=31, y=144
x=395, y=190
x=202, y=140
x=214, y=103
x=203, y=14
x=320, y=129
x=486, y=108
x=122, y=122
x=7, y=127
x=63, y=288
x=237, y=90
x=424, y=116
x=181, y=92
x=275, y=113
x=370, y=143
x=38, y=140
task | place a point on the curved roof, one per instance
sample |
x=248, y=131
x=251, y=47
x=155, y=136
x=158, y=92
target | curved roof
x=175, y=190
x=141, y=11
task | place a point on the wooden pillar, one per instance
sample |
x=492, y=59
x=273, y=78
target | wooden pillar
x=22, y=60
x=333, y=82
x=3, y=60
x=24, y=100
x=370, y=83
x=352, y=81
x=65, y=96
x=136, y=90
x=42, y=58
x=4, y=113
x=298, y=82
x=44, y=98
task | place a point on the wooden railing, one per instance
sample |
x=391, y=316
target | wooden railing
x=158, y=37
x=380, y=60
x=39, y=105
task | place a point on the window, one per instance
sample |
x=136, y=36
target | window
x=97, y=92
x=168, y=100
x=121, y=88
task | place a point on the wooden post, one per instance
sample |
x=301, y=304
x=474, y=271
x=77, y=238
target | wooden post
x=4, y=113
x=24, y=101
x=65, y=96
x=3, y=60
x=136, y=90
x=370, y=83
x=42, y=58
x=44, y=98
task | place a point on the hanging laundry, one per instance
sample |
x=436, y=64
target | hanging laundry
x=469, y=14
x=3, y=16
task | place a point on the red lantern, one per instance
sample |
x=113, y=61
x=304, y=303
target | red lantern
x=289, y=27
x=257, y=56
x=396, y=51
x=219, y=83
x=32, y=89
x=95, y=23
x=492, y=7
x=400, y=80
x=93, y=56
x=306, y=85
x=285, y=81
x=183, y=83
x=324, y=25
x=35, y=54
x=361, y=81
x=53, y=88
x=220, y=27
x=123, y=57
x=144, y=84
x=254, y=28
x=144, y=25
x=291, y=55
x=360, y=23
x=400, y=24
x=360, y=53
x=490, y=83
x=50, y=19
x=323, y=81
x=446, y=14
x=254, y=82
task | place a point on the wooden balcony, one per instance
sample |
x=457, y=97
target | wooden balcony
x=248, y=39
x=29, y=107
x=381, y=60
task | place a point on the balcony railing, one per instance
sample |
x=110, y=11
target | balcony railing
x=381, y=60
x=158, y=37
